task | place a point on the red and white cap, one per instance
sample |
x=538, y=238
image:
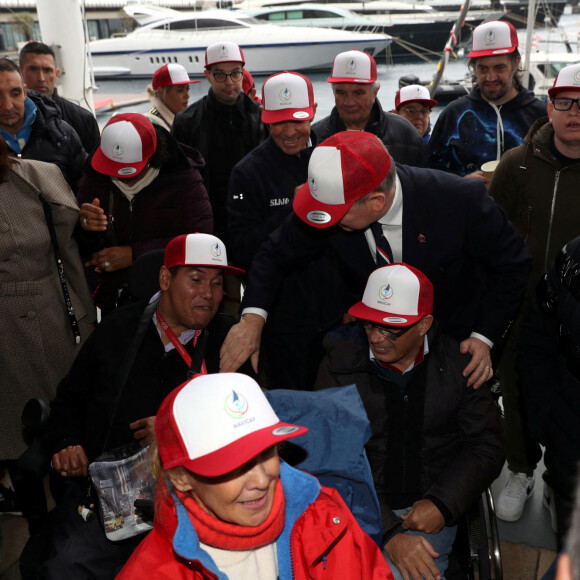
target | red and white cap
x=170, y=75
x=127, y=143
x=395, y=295
x=493, y=39
x=287, y=96
x=342, y=169
x=568, y=79
x=353, y=66
x=198, y=249
x=414, y=94
x=219, y=52
x=215, y=423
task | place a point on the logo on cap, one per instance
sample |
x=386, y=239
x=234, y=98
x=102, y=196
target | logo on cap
x=577, y=76
x=351, y=66
x=490, y=36
x=385, y=292
x=236, y=405
x=417, y=91
x=300, y=115
x=395, y=320
x=318, y=217
x=216, y=250
x=285, y=94
x=117, y=150
x=223, y=50
x=313, y=186
x=281, y=431
x=126, y=171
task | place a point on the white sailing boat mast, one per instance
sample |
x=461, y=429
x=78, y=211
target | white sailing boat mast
x=529, y=33
x=62, y=28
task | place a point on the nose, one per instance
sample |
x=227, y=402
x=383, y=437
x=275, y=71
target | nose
x=206, y=291
x=258, y=477
x=375, y=336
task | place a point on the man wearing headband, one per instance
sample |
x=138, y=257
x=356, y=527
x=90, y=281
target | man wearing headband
x=365, y=212
x=227, y=507
x=436, y=445
x=177, y=329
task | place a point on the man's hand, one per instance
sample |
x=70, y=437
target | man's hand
x=479, y=175
x=479, y=369
x=71, y=461
x=413, y=556
x=92, y=217
x=144, y=430
x=424, y=516
x=111, y=259
x=241, y=343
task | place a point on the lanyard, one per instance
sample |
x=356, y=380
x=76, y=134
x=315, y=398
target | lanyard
x=178, y=346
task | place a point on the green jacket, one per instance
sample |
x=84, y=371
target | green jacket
x=539, y=195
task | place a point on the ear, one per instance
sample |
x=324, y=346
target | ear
x=376, y=200
x=207, y=75
x=425, y=324
x=24, y=89
x=164, y=278
x=550, y=110
x=181, y=479
x=57, y=72
x=314, y=107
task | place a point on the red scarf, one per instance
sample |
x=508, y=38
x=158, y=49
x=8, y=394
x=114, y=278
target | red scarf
x=226, y=536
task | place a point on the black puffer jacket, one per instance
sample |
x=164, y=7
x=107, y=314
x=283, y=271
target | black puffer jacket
x=403, y=141
x=54, y=141
x=81, y=120
x=434, y=438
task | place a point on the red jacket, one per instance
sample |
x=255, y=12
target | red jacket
x=325, y=541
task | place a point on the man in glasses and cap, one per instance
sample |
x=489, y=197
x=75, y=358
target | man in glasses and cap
x=537, y=186
x=436, y=445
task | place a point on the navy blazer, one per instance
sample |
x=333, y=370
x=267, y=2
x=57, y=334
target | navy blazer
x=453, y=231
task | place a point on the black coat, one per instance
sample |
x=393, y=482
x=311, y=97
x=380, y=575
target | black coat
x=81, y=411
x=400, y=137
x=453, y=232
x=434, y=438
x=81, y=120
x=223, y=134
x=54, y=141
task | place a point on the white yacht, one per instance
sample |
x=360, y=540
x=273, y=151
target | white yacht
x=181, y=37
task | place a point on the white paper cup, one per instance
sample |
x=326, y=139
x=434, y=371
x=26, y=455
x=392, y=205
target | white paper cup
x=489, y=167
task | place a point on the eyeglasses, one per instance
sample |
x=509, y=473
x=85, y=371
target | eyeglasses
x=383, y=331
x=221, y=77
x=564, y=103
x=420, y=112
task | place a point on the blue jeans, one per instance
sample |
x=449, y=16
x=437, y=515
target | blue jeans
x=442, y=543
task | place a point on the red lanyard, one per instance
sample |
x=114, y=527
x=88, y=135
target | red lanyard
x=178, y=346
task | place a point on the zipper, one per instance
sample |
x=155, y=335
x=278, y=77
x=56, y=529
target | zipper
x=551, y=222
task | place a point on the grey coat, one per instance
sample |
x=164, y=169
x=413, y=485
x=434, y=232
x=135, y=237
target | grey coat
x=36, y=340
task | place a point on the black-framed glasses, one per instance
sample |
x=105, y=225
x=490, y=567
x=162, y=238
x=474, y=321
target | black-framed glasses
x=383, y=330
x=564, y=103
x=221, y=77
x=413, y=111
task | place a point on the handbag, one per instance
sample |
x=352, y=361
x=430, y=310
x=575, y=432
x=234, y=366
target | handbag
x=121, y=477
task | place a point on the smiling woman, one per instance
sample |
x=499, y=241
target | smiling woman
x=228, y=507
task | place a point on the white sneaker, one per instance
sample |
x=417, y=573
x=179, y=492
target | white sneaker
x=510, y=504
x=550, y=504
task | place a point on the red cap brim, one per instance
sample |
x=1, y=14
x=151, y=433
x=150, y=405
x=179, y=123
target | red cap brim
x=283, y=115
x=315, y=213
x=364, y=312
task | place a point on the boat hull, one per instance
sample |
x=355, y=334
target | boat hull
x=140, y=56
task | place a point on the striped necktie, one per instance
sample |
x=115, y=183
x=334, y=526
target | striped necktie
x=384, y=252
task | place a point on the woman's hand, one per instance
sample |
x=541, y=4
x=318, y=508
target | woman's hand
x=111, y=259
x=92, y=217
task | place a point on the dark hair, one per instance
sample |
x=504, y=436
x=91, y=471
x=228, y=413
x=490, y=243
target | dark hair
x=34, y=47
x=162, y=152
x=5, y=161
x=513, y=56
x=7, y=65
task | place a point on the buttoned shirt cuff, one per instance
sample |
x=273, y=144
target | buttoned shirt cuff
x=259, y=311
x=482, y=338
